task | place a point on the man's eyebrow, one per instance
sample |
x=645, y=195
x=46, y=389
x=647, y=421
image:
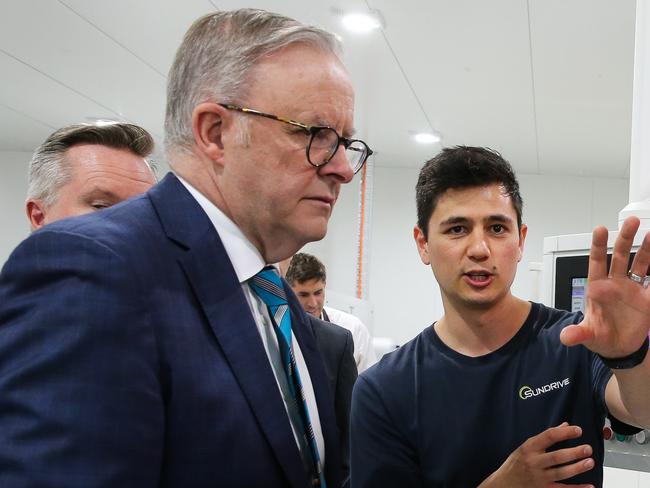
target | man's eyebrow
x=454, y=220
x=99, y=193
x=457, y=220
x=498, y=218
x=349, y=134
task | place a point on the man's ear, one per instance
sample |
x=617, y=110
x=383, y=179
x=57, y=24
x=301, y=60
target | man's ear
x=523, y=231
x=421, y=243
x=208, y=127
x=35, y=213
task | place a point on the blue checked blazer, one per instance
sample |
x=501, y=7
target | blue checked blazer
x=129, y=358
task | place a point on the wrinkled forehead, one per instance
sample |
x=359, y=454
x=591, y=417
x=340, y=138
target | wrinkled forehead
x=299, y=78
x=87, y=161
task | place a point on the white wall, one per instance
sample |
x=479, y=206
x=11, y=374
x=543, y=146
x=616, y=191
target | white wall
x=14, y=226
x=403, y=292
x=338, y=250
x=624, y=478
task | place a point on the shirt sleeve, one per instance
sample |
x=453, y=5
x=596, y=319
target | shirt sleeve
x=380, y=456
x=600, y=375
x=363, y=341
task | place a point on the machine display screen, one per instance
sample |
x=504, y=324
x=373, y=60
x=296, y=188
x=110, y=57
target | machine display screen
x=571, y=281
x=578, y=292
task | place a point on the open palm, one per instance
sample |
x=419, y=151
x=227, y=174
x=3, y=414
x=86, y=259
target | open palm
x=617, y=315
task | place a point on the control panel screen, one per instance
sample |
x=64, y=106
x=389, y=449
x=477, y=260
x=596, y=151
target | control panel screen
x=578, y=293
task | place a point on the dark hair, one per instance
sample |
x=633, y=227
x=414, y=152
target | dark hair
x=463, y=167
x=304, y=267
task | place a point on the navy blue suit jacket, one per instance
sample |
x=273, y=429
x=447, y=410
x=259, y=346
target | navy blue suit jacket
x=336, y=347
x=129, y=357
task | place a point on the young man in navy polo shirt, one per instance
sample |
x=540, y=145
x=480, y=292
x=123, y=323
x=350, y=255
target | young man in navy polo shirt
x=501, y=392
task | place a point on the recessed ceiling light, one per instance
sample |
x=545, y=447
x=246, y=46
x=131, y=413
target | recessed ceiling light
x=103, y=122
x=362, y=23
x=427, y=137
x=100, y=121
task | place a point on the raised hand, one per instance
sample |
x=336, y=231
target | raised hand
x=617, y=314
x=530, y=466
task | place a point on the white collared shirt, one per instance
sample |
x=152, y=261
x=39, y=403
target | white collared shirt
x=364, y=352
x=247, y=262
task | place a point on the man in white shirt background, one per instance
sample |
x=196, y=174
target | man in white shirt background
x=307, y=276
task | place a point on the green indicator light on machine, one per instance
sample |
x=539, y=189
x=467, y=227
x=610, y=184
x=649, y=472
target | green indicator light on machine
x=621, y=437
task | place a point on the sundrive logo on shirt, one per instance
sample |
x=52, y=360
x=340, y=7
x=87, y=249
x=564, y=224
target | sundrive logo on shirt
x=526, y=391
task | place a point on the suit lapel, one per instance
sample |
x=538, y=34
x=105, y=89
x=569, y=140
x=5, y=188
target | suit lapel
x=326, y=317
x=219, y=292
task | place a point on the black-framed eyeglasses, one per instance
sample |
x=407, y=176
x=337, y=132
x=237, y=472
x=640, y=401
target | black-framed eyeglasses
x=323, y=142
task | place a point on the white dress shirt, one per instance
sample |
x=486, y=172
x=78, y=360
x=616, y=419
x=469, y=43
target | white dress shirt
x=247, y=262
x=364, y=353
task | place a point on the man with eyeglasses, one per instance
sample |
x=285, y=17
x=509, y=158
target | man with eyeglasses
x=153, y=344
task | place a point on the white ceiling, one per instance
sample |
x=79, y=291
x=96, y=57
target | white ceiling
x=546, y=82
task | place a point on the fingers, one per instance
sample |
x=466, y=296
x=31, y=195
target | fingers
x=575, y=334
x=563, y=463
x=531, y=465
x=570, y=470
x=598, y=254
x=553, y=435
x=622, y=246
x=563, y=456
x=642, y=258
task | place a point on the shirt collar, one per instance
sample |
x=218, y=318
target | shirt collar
x=244, y=256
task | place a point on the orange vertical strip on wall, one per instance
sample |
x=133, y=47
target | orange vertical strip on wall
x=362, y=222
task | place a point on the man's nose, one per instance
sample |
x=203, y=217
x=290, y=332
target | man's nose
x=478, y=246
x=339, y=166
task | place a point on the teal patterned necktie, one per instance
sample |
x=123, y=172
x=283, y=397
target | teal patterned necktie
x=268, y=286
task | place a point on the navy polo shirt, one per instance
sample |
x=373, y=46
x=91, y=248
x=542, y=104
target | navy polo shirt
x=426, y=415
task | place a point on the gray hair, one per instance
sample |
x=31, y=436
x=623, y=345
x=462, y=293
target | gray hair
x=216, y=56
x=48, y=170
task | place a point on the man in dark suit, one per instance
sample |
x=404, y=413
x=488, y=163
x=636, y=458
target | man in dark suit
x=336, y=346
x=337, y=351
x=149, y=345
x=308, y=278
